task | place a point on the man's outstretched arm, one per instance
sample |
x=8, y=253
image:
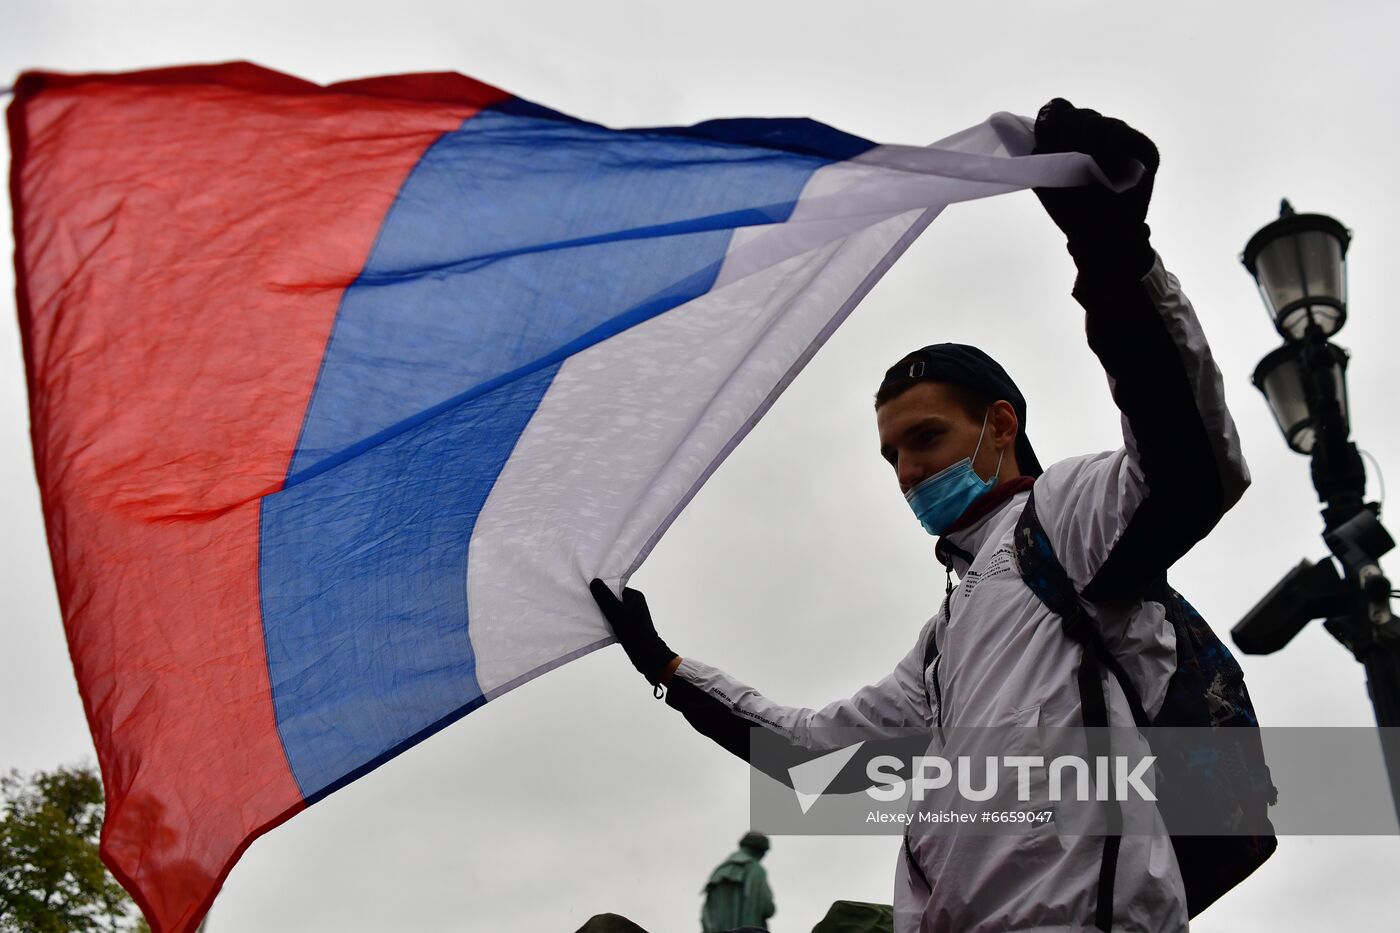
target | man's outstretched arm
x=1121, y=520
x=724, y=709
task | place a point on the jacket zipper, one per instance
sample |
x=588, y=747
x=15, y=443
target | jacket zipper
x=947, y=621
x=938, y=699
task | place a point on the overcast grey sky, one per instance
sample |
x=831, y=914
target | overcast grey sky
x=799, y=567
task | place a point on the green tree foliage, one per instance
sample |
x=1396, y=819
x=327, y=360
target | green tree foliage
x=51, y=879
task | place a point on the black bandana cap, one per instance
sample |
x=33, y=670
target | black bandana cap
x=968, y=366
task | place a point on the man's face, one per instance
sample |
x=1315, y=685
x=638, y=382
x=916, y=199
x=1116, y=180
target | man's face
x=925, y=429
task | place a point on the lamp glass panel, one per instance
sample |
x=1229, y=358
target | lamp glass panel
x=1283, y=387
x=1287, y=397
x=1299, y=266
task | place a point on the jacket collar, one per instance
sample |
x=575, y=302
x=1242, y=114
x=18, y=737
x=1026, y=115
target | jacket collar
x=958, y=546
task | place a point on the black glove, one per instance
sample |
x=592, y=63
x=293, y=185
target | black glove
x=1107, y=231
x=631, y=623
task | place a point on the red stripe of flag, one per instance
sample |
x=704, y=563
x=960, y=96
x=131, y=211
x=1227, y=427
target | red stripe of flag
x=183, y=239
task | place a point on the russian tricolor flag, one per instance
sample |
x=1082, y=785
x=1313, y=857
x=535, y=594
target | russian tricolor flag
x=340, y=395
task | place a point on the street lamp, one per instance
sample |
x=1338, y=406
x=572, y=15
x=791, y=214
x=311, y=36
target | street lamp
x=1299, y=263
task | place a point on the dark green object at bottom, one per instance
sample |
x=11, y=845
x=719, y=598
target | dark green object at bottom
x=843, y=917
x=609, y=923
x=857, y=917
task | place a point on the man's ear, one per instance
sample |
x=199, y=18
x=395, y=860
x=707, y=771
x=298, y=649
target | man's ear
x=1004, y=424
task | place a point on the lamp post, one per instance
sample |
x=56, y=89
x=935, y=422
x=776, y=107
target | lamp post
x=1299, y=264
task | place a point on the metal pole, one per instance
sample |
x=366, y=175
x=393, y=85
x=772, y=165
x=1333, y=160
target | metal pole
x=1340, y=479
x=1382, y=676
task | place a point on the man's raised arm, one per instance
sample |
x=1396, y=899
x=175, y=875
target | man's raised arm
x=1121, y=520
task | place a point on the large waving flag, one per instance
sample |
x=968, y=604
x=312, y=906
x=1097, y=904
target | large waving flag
x=340, y=395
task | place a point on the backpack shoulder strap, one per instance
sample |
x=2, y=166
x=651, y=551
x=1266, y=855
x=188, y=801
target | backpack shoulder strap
x=1049, y=581
x=1046, y=577
x=1039, y=566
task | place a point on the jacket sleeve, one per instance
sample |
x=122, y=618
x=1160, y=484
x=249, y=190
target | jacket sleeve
x=1119, y=520
x=725, y=710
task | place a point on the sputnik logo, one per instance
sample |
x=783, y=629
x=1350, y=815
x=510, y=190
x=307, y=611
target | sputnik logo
x=811, y=778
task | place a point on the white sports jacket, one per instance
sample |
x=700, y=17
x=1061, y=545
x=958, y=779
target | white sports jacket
x=1116, y=521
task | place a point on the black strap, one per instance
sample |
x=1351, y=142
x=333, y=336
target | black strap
x=1047, y=578
x=1080, y=628
x=1094, y=707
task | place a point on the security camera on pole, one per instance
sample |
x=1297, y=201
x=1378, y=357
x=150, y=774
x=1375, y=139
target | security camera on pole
x=1299, y=263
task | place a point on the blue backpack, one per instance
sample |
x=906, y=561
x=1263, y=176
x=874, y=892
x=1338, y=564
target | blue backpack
x=1206, y=691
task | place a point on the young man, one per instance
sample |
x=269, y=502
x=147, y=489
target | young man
x=952, y=425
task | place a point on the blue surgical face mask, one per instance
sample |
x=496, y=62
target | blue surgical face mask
x=939, y=500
